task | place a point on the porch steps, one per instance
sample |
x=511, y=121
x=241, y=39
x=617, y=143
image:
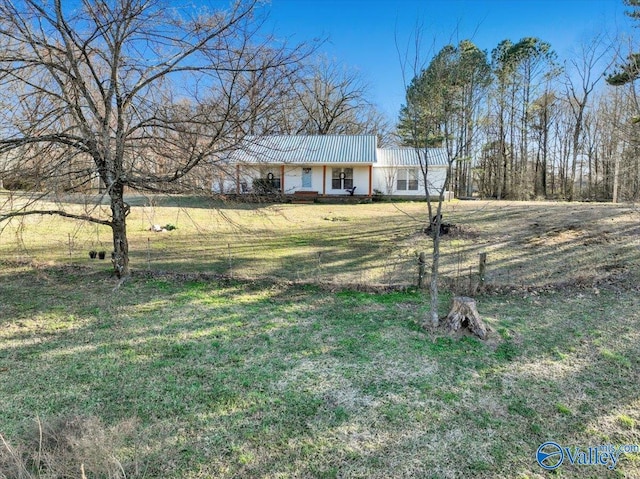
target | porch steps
x=304, y=197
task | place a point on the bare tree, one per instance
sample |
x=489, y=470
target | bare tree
x=582, y=73
x=332, y=99
x=131, y=93
x=440, y=111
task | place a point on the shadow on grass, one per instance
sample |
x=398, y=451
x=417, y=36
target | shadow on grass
x=241, y=379
x=163, y=351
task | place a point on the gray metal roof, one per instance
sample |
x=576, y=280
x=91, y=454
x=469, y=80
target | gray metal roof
x=308, y=149
x=328, y=149
x=407, y=156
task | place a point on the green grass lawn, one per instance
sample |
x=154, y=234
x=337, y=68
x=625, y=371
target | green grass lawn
x=251, y=377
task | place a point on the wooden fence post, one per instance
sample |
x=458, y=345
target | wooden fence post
x=482, y=267
x=148, y=254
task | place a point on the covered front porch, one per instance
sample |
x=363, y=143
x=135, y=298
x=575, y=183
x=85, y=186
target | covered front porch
x=313, y=180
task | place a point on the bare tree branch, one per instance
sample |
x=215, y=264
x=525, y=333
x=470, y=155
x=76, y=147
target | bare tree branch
x=65, y=214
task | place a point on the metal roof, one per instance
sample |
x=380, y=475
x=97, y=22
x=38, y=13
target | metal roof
x=304, y=149
x=330, y=149
x=407, y=156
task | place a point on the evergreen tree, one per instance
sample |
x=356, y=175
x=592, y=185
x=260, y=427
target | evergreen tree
x=630, y=71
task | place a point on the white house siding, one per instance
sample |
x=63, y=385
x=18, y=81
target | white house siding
x=360, y=180
x=390, y=162
x=224, y=183
x=385, y=180
x=293, y=178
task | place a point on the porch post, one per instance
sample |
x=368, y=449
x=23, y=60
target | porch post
x=370, y=180
x=237, y=179
x=324, y=180
x=281, y=178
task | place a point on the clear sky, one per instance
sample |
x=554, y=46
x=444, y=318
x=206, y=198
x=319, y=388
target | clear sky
x=361, y=33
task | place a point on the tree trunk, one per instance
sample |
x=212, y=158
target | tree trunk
x=433, y=285
x=119, y=212
x=616, y=178
x=464, y=314
x=435, y=262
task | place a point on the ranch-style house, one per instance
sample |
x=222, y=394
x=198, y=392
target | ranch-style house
x=328, y=165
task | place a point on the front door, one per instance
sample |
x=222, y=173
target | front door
x=306, y=178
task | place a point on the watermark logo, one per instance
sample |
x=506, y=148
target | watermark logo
x=551, y=455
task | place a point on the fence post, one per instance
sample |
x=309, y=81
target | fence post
x=482, y=267
x=148, y=254
x=421, y=267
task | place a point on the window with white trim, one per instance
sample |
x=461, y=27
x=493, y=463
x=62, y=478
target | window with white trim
x=407, y=179
x=341, y=178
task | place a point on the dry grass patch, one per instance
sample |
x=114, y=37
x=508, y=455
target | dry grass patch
x=529, y=243
x=71, y=446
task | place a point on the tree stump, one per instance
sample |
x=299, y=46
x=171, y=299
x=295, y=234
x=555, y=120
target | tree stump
x=464, y=314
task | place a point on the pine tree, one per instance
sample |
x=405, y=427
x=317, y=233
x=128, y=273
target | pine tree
x=630, y=71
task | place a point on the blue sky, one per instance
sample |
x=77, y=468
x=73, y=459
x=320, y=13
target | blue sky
x=361, y=33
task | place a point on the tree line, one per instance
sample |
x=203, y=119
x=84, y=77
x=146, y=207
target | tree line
x=520, y=124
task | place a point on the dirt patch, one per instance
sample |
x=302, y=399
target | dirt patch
x=462, y=231
x=538, y=245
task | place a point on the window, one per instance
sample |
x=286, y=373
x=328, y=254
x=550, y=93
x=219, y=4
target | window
x=407, y=179
x=269, y=181
x=341, y=178
x=274, y=179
